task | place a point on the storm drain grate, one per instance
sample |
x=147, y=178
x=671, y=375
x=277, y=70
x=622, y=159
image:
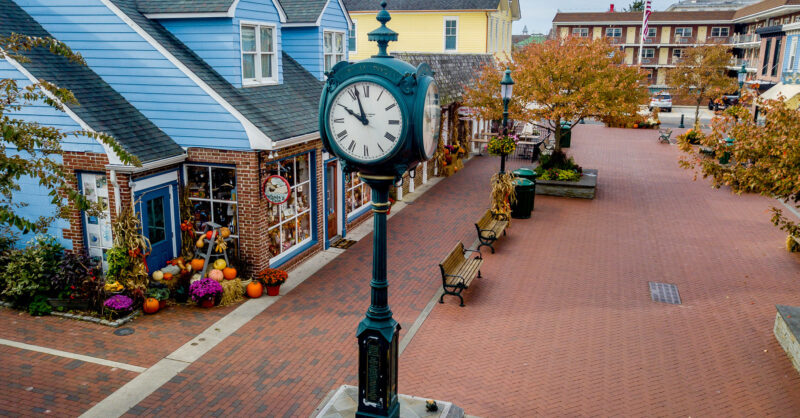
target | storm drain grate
x=124, y=331
x=664, y=292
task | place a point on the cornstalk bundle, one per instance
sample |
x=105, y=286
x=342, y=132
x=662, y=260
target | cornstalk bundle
x=232, y=292
x=128, y=237
x=503, y=194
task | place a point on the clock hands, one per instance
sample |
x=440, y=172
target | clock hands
x=361, y=108
x=359, y=117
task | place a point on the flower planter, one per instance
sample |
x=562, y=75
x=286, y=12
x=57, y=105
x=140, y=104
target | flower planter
x=273, y=290
x=207, y=303
x=584, y=188
x=69, y=304
x=162, y=304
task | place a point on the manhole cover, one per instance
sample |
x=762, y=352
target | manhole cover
x=124, y=331
x=664, y=292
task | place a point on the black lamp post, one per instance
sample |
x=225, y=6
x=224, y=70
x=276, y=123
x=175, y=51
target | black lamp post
x=506, y=88
x=742, y=77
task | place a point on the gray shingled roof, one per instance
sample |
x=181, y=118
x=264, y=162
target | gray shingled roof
x=451, y=71
x=183, y=6
x=100, y=106
x=374, y=5
x=280, y=111
x=303, y=11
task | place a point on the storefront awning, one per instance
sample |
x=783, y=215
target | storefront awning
x=786, y=90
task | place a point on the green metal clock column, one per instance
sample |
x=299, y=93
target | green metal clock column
x=506, y=85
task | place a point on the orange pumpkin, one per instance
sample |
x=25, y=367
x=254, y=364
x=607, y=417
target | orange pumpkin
x=167, y=276
x=197, y=264
x=255, y=289
x=229, y=273
x=150, y=306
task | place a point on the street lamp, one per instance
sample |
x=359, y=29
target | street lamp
x=742, y=77
x=506, y=89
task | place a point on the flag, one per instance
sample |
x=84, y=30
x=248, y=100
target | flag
x=647, y=11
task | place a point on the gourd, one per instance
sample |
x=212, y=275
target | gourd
x=229, y=273
x=200, y=243
x=209, y=234
x=220, y=264
x=167, y=276
x=197, y=264
x=216, y=275
x=158, y=275
x=150, y=306
x=224, y=232
x=255, y=289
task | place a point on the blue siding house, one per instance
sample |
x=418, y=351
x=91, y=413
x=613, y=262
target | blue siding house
x=214, y=97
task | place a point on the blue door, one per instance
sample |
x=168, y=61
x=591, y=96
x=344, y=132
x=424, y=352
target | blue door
x=157, y=225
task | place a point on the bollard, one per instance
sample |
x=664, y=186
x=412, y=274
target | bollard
x=681, y=125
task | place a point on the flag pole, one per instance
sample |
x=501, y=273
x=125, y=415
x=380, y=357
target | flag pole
x=641, y=36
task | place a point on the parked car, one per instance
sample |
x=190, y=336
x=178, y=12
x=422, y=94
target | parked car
x=663, y=101
x=723, y=102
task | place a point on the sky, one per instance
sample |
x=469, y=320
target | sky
x=538, y=14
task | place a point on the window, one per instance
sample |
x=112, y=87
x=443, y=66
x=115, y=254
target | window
x=496, y=34
x=677, y=54
x=614, y=32
x=450, y=33
x=334, y=49
x=792, y=53
x=491, y=32
x=651, y=32
x=289, y=224
x=776, y=55
x=765, y=64
x=683, y=32
x=582, y=32
x=786, y=20
x=648, y=53
x=797, y=18
x=719, y=32
x=98, y=228
x=351, y=39
x=357, y=194
x=259, y=65
x=212, y=193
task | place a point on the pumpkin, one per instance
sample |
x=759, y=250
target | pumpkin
x=255, y=289
x=220, y=264
x=224, y=232
x=167, y=276
x=200, y=243
x=209, y=234
x=158, y=275
x=150, y=306
x=216, y=275
x=229, y=273
x=197, y=264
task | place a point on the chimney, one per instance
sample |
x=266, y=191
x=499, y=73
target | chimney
x=611, y=10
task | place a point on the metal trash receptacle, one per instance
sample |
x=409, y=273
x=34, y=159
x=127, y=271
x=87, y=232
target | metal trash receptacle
x=525, y=191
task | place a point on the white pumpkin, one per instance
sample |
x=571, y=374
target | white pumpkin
x=158, y=275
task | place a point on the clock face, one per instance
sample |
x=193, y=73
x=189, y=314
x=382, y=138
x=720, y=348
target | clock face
x=365, y=121
x=431, y=119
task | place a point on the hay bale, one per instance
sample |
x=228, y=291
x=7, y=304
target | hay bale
x=232, y=292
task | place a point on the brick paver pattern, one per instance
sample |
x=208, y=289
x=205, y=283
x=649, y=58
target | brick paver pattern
x=561, y=324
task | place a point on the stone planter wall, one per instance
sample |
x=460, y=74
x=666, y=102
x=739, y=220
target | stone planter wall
x=584, y=188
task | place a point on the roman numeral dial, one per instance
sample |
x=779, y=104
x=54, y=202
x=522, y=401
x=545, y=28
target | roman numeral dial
x=365, y=122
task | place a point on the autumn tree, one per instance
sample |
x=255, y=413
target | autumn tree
x=31, y=150
x=702, y=74
x=764, y=156
x=636, y=6
x=561, y=80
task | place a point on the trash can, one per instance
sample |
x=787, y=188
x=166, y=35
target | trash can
x=525, y=190
x=566, y=134
x=726, y=156
x=528, y=173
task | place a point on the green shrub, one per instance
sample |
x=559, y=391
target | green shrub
x=28, y=272
x=39, y=306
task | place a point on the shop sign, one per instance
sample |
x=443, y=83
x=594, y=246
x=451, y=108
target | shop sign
x=276, y=189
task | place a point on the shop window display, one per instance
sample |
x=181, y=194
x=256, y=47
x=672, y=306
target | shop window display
x=212, y=191
x=289, y=223
x=357, y=194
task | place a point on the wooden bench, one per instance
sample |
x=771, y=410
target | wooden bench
x=489, y=229
x=458, y=272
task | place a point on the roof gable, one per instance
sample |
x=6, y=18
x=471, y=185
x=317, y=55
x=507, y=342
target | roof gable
x=452, y=72
x=100, y=106
x=184, y=6
x=303, y=11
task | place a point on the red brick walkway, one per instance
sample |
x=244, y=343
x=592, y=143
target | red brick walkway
x=560, y=325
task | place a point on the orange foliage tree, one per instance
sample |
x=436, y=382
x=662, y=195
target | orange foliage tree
x=764, y=156
x=561, y=80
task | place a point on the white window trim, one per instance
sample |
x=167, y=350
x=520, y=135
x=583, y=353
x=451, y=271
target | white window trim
x=680, y=50
x=644, y=52
x=444, y=33
x=354, y=29
x=211, y=199
x=792, y=54
x=344, y=46
x=580, y=32
x=655, y=32
x=349, y=215
x=613, y=31
x=720, y=35
x=258, y=81
x=683, y=32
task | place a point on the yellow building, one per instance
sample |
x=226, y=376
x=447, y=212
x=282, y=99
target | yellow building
x=436, y=26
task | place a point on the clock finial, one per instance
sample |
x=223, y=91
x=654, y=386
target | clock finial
x=383, y=35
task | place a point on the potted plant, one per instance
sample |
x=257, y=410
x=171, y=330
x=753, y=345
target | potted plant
x=272, y=279
x=205, y=292
x=159, y=294
x=75, y=277
x=118, y=305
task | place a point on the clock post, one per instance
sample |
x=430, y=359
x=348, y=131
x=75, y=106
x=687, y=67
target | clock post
x=380, y=117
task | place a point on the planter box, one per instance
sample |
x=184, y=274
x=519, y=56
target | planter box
x=584, y=188
x=69, y=304
x=787, y=332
